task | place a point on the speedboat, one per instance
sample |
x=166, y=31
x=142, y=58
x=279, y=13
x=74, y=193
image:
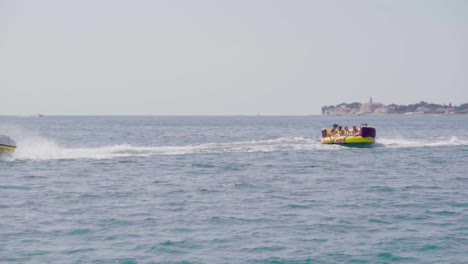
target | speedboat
x=366, y=136
x=7, y=144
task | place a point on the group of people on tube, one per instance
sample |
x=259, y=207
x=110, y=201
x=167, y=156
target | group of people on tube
x=338, y=130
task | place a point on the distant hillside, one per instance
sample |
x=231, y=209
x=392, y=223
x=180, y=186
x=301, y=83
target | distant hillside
x=372, y=108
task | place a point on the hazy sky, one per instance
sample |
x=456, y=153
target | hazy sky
x=238, y=57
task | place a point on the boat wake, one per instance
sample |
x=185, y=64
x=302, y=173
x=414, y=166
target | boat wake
x=49, y=150
x=417, y=143
x=44, y=149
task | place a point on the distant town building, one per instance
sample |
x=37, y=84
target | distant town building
x=372, y=108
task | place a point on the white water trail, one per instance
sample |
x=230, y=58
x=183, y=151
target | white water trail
x=38, y=148
x=417, y=143
x=44, y=149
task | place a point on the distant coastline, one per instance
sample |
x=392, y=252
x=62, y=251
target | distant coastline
x=373, y=108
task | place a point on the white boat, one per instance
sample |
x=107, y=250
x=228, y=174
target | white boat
x=7, y=144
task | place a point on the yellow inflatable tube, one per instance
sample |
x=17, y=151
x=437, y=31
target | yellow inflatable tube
x=366, y=136
x=7, y=144
x=6, y=148
x=348, y=140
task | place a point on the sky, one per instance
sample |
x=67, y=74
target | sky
x=230, y=57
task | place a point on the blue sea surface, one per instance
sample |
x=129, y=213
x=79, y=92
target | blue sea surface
x=217, y=189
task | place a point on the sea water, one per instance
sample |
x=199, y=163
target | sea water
x=233, y=190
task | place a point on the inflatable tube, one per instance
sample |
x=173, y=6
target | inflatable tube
x=366, y=136
x=348, y=140
x=7, y=144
